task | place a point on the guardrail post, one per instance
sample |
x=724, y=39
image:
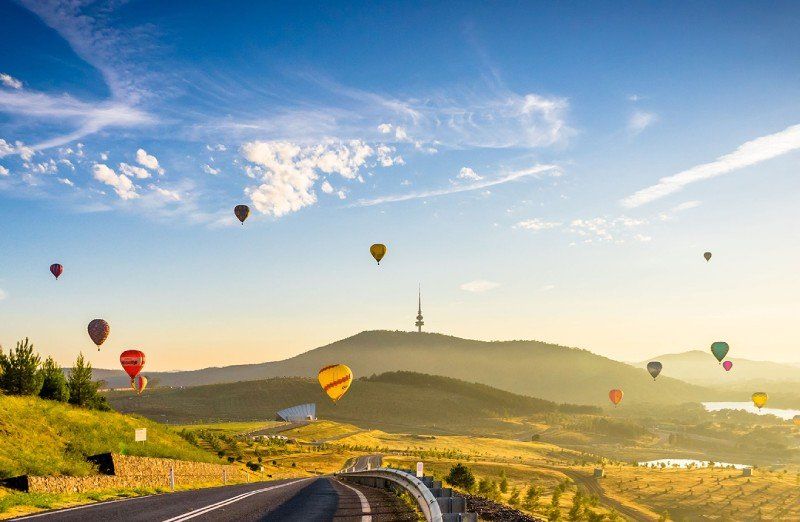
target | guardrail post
x=172, y=478
x=224, y=476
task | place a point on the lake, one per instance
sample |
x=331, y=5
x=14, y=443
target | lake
x=750, y=408
x=685, y=463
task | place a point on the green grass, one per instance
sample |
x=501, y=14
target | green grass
x=39, y=437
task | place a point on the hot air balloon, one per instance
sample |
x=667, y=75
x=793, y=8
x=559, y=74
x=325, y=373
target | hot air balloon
x=56, y=269
x=654, y=367
x=707, y=255
x=98, y=331
x=241, y=212
x=760, y=399
x=615, y=396
x=335, y=380
x=378, y=250
x=139, y=383
x=132, y=362
x=727, y=365
x=796, y=420
x=720, y=350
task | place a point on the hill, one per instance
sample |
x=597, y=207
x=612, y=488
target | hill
x=701, y=368
x=532, y=368
x=42, y=437
x=399, y=401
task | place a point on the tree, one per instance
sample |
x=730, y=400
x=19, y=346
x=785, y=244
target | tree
x=514, y=498
x=54, y=385
x=82, y=389
x=576, y=511
x=461, y=476
x=503, y=482
x=19, y=370
x=532, y=497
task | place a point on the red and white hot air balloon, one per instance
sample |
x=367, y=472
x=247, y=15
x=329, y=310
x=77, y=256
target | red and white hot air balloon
x=132, y=362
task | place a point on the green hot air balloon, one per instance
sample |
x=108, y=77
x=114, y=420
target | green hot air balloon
x=720, y=350
x=654, y=367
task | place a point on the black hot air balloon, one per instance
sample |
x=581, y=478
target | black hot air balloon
x=707, y=255
x=654, y=368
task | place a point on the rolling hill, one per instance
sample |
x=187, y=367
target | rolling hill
x=701, y=368
x=400, y=401
x=42, y=437
x=532, y=368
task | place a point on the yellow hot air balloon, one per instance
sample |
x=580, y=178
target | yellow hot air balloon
x=760, y=399
x=335, y=380
x=139, y=383
x=378, y=250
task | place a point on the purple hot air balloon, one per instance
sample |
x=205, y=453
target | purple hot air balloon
x=727, y=365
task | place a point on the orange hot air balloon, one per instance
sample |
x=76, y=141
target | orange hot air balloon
x=335, y=380
x=615, y=396
x=132, y=362
x=378, y=250
x=98, y=332
x=139, y=383
x=241, y=212
x=796, y=420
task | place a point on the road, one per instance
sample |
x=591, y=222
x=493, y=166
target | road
x=312, y=499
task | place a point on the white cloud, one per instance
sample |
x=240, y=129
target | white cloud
x=66, y=181
x=218, y=147
x=640, y=120
x=536, y=171
x=148, y=160
x=469, y=174
x=208, y=169
x=289, y=171
x=121, y=184
x=606, y=229
x=67, y=163
x=385, y=157
x=7, y=149
x=341, y=194
x=133, y=171
x=547, y=288
x=400, y=134
x=164, y=193
x=537, y=224
x=642, y=238
x=747, y=154
x=104, y=156
x=326, y=187
x=45, y=167
x=3, y=171
x=10, y=81
x=479, y=285
x=385, y=128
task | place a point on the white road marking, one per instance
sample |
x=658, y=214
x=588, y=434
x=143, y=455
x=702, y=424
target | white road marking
x=223, y=503
x=83, y=506
x=365, y=517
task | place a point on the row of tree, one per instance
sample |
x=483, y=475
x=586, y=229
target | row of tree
x=22, y=372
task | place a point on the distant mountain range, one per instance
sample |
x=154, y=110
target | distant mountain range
x=397, y=401
x=699, y=367
x=532, y=368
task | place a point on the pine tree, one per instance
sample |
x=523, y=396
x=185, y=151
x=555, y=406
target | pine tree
x=503, y=482
x=19, y=370
x=54, y=386
x=82, y=389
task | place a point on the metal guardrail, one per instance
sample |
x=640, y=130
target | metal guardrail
x=425, y=499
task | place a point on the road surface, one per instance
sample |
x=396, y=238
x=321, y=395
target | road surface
x=312, y=499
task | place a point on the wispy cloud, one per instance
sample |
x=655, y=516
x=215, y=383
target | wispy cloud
x=479, y=286
x=9, y=81
x=747, y=154
x=640, y=120
x=535, y=171
x=3, y=295
x=537, y=224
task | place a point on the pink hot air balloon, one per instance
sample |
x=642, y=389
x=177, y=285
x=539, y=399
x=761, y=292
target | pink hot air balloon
x=727, y=365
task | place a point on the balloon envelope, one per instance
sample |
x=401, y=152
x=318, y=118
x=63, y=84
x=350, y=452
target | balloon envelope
x=335, y=380
x=241, y=212
x=132, y=362
x=720, y=350
x=56, y=270
x=139, y=383
x=707, y=255
x=760, y=399
x=727, y=365
x=378, y=250
x=654, y=367
x=98, y=331
x=796, y=420
x=615, y=396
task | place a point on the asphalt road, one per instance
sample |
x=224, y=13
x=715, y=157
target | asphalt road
x=314, y=499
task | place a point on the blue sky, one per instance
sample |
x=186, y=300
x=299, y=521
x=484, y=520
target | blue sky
x=545, y=170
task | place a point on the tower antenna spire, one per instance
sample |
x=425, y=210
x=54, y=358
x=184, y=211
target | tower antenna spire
x=419, y=322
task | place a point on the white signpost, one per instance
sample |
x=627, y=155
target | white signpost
x=420, y=472
x=141, y=435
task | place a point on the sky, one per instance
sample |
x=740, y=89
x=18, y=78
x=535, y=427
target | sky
x=544, y=170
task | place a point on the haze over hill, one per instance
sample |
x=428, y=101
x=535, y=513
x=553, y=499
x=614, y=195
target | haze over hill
x=532, y=368
x=701, y=368
x=403, y=401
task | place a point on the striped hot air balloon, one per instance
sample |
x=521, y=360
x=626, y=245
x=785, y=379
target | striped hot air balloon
x=139, y=383
x=335, y=380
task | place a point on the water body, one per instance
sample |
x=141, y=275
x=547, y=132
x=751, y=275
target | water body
x=750, y=408
x=685, y=463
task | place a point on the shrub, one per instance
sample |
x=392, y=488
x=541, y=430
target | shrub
x=461, y=476
x=19, y=370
